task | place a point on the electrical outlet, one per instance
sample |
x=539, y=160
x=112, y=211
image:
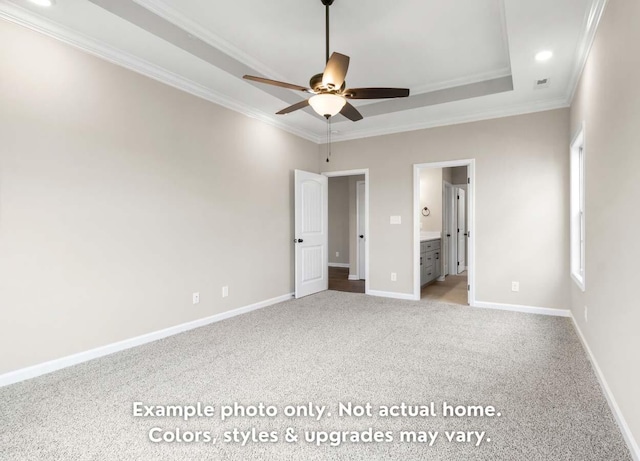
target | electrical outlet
x=196, y=298
x=586, y=317
x=394, y=277
x=337, y=254
x=515, y=286
x=225, y=291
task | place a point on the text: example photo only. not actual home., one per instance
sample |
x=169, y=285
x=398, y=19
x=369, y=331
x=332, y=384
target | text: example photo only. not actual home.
x=314, y=230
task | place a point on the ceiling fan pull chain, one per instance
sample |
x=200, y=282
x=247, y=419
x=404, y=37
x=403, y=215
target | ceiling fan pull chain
x=328, y=138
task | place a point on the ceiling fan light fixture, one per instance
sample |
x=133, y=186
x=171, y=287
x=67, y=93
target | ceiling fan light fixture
x=327, y=104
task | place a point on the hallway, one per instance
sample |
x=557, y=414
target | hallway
x=453, y=290
x=339, y=281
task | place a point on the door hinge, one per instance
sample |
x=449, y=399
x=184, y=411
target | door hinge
x=468, y=287
x=468, y=180
x=458, y=197
x=458, y=263
x=469, y=234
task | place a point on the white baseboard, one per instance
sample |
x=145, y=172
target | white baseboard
x=392, y=294
x=70, y=360
x=525, y=309
x=345, y=265
x=354, y=277
x=622, y=423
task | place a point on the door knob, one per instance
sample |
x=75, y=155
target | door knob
x=298, y=240
x=362, y=236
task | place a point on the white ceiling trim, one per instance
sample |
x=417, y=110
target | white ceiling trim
x=26, y=18
x=590, y=27
x=168, y=13
x=491, y=75
x=520, y=109
x=477, y=78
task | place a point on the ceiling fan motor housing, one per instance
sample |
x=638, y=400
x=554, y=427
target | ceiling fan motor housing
x=316, y=85
x=327, y=2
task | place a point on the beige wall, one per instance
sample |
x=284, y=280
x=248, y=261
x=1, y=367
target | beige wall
x=431, y=197
x=458, y=175
x=608, y=101
x=120, y=196
x=339, y=219
x=522, y=231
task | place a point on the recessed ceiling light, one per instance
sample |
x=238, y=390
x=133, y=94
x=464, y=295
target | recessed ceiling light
x=544, y=55
x=42, y=2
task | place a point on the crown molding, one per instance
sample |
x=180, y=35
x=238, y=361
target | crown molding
x=590, y=28
x=476, y=78
x=510, y=111
x=35, y=22
x=166, y=12
x=27, y=18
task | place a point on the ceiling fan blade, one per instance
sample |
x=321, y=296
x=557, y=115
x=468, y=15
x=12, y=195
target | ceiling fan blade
x=336, y=71
x=376, y=93
x=290, y=86
x=351, y=113
x=297, y=106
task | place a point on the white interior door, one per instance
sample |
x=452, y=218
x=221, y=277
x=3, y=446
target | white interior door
x=311, y=233
x=450, y=240
x=362, y=237
x=462, y=230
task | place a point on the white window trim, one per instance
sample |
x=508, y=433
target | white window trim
x=577, y=208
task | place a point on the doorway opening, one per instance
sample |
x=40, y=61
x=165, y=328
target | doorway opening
x=443, y=237
x=348, y=231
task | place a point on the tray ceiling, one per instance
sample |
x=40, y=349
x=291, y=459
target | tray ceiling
x=462, y=59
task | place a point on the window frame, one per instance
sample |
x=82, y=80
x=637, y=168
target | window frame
x=577, y=208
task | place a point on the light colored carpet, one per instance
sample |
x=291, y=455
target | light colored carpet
x=453, y=290
x=329, y=348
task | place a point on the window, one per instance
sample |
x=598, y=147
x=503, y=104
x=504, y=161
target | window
x=577, y=209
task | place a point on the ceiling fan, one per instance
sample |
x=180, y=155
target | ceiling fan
x=329, y=88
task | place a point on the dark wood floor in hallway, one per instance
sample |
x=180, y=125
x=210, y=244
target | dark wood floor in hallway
x=339, y=281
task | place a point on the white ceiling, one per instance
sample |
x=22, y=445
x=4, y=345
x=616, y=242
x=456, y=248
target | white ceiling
x=436, y=48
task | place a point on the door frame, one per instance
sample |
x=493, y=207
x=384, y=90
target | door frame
x=365, y=172
x=466, y=191
x=448, y=215
x=362, y=271
x=471, y=223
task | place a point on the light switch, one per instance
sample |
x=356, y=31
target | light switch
x=395, y=220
